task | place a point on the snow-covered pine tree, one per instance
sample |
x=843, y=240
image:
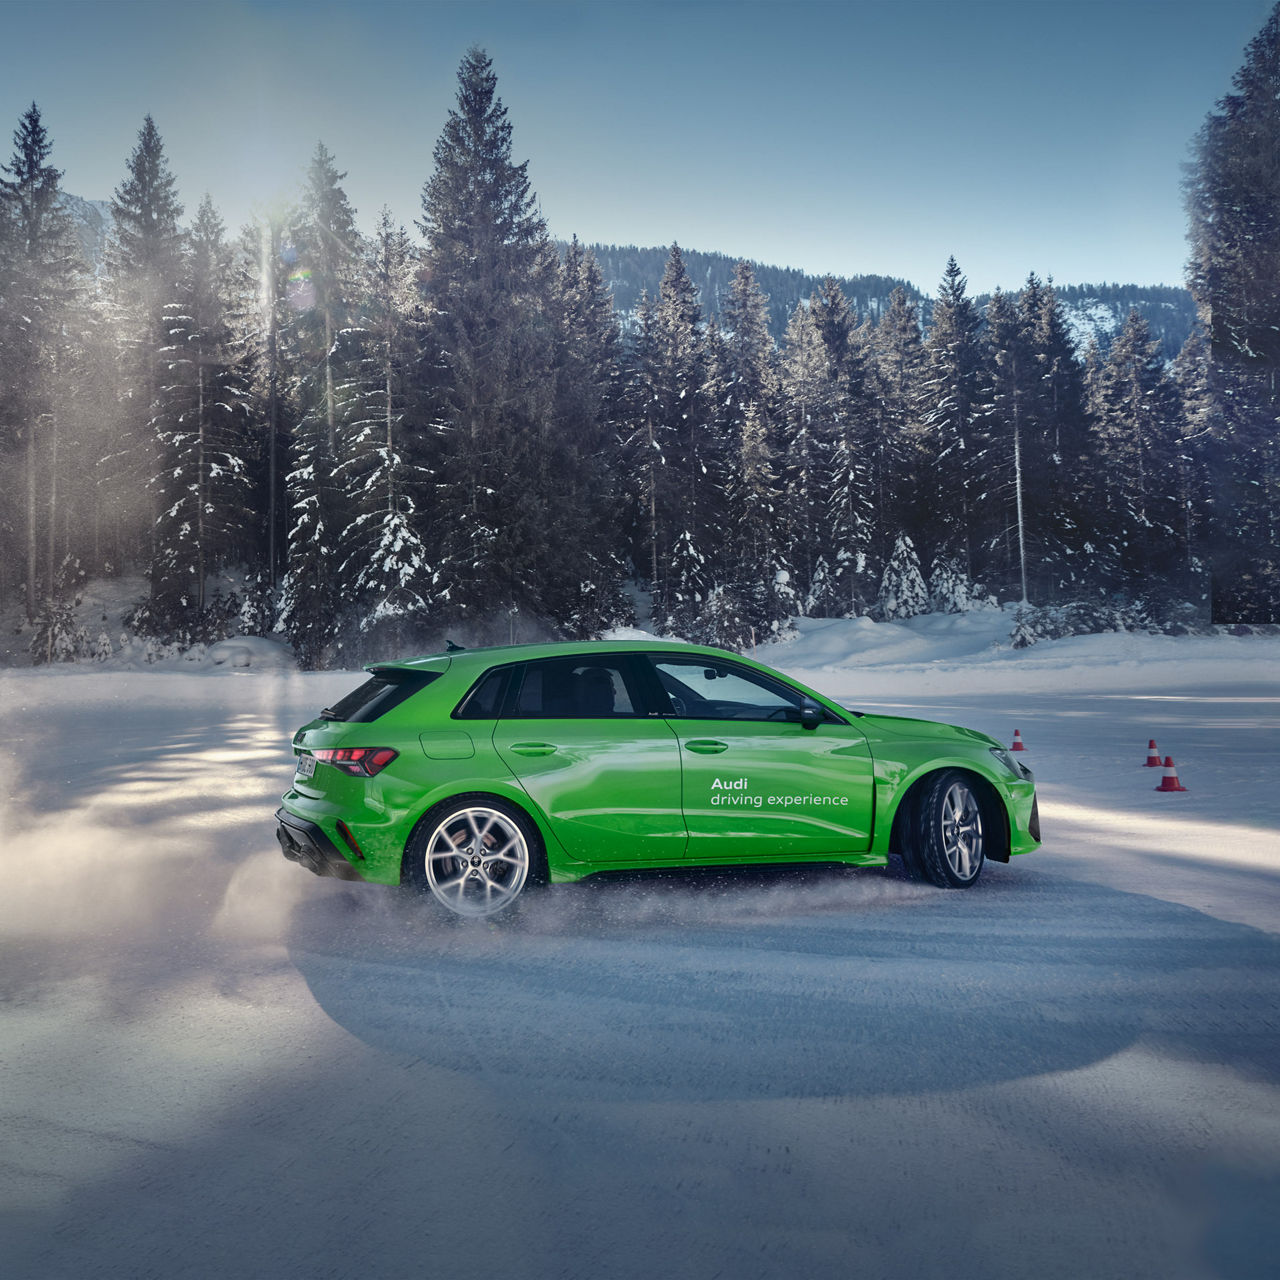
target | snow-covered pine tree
x=844, y=422
x=583, y=579
x=1233, y=199
x=957, y=396
x=201, y=425
x=950, y=590
x=643, y=447
x=761, y=578
x=895, y=458
x=687, y=592
x=744, y=321
x=1001, y=503
x=742, y=379
x=317, y=252
x=143, y=268
x=1059, y=459
x=322, y=283
x=805, y=457
x=309, y=604
x=387, y=572
x=39, y=282
x=673, y=445
x=263, y=321
x=491, y=275
x=1139, y=417
x=902, y=590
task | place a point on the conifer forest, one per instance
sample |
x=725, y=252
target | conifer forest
x=368, y=443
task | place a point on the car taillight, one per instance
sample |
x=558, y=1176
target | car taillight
x=359, y=762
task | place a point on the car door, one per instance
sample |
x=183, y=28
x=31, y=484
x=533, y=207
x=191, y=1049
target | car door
x=578, y=734
x=756, y=783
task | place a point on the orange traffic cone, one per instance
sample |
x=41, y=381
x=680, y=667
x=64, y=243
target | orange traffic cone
x=1153, y=756
x=1170, y=780
x=1017, y=741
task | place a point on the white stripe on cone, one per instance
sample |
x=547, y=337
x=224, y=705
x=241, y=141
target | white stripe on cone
x=1170, y=780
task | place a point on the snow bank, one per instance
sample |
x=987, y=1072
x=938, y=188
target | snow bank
x=849, y=658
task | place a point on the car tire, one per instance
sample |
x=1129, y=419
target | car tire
x=946, y=833
x=475, y=856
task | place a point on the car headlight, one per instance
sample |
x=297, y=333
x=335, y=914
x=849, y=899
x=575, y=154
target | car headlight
x=1015, y=767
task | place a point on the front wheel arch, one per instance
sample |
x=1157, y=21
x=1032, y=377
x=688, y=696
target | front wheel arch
x=995, y=817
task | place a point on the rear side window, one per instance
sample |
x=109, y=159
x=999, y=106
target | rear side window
x=484, y=702
x=386, y=689
x=591, y=688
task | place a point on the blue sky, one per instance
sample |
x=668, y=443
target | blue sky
x=856, y=137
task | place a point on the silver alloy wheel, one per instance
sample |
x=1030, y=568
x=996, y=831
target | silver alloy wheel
x=477, y=861
x=962, y=831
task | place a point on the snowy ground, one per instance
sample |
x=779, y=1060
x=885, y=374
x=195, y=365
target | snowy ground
x=215, y=1064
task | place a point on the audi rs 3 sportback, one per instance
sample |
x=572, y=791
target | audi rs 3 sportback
x=476, y=774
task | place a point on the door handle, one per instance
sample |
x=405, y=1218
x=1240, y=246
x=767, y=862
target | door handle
x=706, y=746
x=533, y=748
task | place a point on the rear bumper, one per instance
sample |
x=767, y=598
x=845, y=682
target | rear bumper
x=305, y=843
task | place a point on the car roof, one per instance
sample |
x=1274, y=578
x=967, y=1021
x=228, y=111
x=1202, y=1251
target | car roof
x=496, y=654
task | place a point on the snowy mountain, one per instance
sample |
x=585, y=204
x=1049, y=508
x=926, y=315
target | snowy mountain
x=628, y=271
x=1093, y=311
x=1097, y=313
x=92, y=219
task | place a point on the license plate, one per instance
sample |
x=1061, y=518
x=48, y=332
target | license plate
x=306, y=766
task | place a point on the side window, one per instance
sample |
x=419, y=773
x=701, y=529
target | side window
x=575, y=689
x=484, y=702
x=706, y=689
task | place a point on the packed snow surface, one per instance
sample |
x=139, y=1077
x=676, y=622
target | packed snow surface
x=215, y=1064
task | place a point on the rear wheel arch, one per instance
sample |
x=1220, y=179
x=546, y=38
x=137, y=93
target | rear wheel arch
x=538, y=870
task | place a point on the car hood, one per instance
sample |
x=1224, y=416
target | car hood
x=907, y=727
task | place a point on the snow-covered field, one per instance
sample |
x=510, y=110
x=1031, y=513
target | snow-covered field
x=214, y=1064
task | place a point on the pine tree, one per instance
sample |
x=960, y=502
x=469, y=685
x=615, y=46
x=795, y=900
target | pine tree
x=1139, y=426
x=491, y=273
x=1004, y=520
x=675, y=447
x=38, y=286
x=588, y=407
x=203, y=410
x=749, y=347
x=761, y=577
x=265, y=325
x=1059, y=460
x=895, y=454
x=311, y=258
x=328, y=253
x=805, y=454
x=387, y=570
x=847, y=443
x=143, y=269
x=950, y=589
x=1233, y=199
x=902, y=590
x=957, y=396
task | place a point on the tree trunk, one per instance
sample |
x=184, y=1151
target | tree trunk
x=201, y=496
x=31, y=523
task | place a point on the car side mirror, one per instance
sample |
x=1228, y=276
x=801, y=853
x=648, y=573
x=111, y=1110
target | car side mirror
x=811, y=715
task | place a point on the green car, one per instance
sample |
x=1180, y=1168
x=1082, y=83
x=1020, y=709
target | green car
x=475, y=774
